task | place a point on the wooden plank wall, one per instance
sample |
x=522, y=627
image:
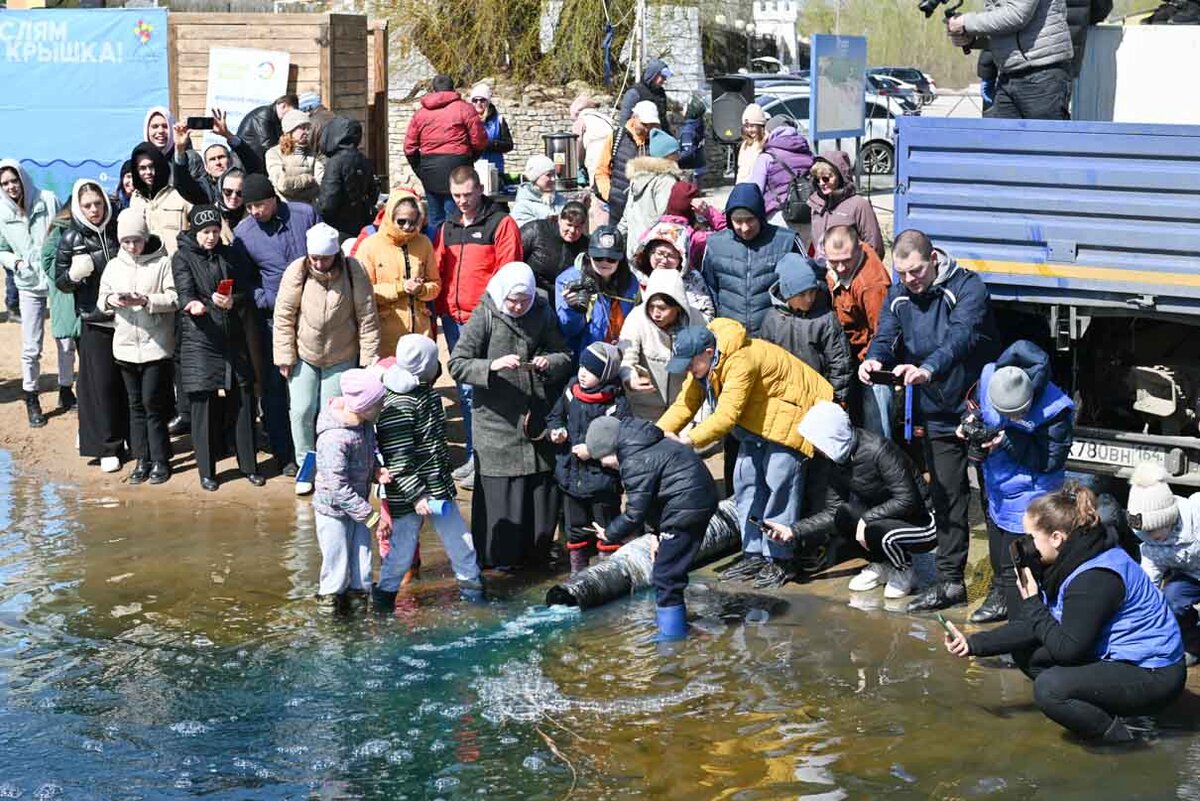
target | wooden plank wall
x=377, y=94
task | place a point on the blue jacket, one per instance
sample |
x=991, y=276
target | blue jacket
x=577, y=478
x=500, y=141
x=273, y=246
x=947, y=330
x=691, y=147
x=582, y=328
x=741, y=274
x=1032, y=460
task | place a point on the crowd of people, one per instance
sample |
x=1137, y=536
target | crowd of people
x=599, y=346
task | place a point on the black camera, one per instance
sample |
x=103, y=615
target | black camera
x=1024, y=553
x=977, y=432
x=584, y=289
x=929, y=6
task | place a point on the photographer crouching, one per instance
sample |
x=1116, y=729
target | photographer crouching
x=1098, y=640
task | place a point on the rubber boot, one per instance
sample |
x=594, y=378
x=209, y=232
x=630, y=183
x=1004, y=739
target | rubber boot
x=672, y=622
x=66, y=399
x=33, y=408
x=472, y=591
x=579, y=560
x=383, y=602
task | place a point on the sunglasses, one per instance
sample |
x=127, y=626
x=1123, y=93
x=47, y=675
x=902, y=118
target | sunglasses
x=479, y=100
x=231, y=192
x=406, y=222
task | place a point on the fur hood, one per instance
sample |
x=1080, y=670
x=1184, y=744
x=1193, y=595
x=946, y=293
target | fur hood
x=651, y=166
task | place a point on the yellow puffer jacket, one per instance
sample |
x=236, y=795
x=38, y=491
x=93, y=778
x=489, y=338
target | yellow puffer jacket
x=758, y=386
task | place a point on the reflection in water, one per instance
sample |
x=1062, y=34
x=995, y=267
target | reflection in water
x=154, y=651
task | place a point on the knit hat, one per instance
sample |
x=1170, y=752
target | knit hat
x=647, y=112
x=418, y=354
x=754, y=115
x=130, y=224
x=480, y=90
x=361, y=389
x=322, y=240
x=662, y=144
x=689, y=343
x=679, y=202
x=257, y=187
x=308, y=101
x=537, y=166
x=601, y=360
x=293, y=120
x=601, y=437
x=1151, y=503
x=1010, y=391
x=777, y=121
x=796, y=274
x=827, y=427
x=202, y=217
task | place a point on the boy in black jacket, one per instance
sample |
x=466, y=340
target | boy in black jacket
x=668, y=488
x=591, y=493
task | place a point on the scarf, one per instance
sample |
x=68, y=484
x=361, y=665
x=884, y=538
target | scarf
x=1080, y=547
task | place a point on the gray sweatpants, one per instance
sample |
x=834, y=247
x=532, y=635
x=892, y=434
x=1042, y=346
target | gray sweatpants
x=345, y=554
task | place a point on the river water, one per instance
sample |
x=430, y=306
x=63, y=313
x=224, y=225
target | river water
x=154, y=651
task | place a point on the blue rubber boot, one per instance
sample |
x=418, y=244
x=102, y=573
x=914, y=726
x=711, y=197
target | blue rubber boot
x=672, y=622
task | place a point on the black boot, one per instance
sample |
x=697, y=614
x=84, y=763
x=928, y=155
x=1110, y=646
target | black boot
x=33, y=408
x=140, y=472
x=383, y=602
x=940, y=595
x=579, y=560
x=994, y=608
x=179, y=426
x=66, y=399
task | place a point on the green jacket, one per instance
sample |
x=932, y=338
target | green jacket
x=23, y=232
x=64, y=321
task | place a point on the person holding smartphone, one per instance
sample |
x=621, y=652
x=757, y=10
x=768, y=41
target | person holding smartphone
x=1094, y=633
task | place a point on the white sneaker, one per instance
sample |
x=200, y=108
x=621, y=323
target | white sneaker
x=870, y=577
x=304, y=487
x=110, y=464
x=900, y=582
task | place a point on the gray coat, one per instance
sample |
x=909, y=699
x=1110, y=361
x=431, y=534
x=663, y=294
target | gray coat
x=1023, y=33
x=502, y=398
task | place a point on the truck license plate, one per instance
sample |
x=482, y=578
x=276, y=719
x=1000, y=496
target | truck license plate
x=1116, y=455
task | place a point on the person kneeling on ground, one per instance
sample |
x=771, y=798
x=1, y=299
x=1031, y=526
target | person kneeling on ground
x=668, y=488
x=412, y=441
x=875, y=495
x=1098, y=639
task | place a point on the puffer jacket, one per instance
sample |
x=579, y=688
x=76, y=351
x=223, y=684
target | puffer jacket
x=645, y=90
x=412, y=440
x=83, y=240
x=1023, y=34
x=499, y=138
x=667, y=486
x=948, y=330
x=160, y=203
x=740, y=274
x=144, y=333
x=260, y=129
x=534, y=204
x=296, y=176
x=574, y=411
x=758, y=387
x=547, y=253
x=645, y=345
x=785, y=149
x=1179, y=551
x=650, y=182
x=815, y=337
x=582, y=327
x=843, y=206
x=877, y=481
x=345, y=466
x=64, y=322
x=469, y=255
x=445, y=133
x=1032, y=459
x=611, y=180
x=679, y=236
x=23, y=231
x=391, y=256
x=325, y=318
x=349, y=193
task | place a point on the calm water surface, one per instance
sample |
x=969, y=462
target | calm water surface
x=149, y=651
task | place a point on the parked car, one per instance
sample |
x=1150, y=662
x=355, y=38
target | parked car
x=904, y=93
x=877, y=149
x=921, y=81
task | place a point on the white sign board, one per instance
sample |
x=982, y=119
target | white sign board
x=1126, y=75
x=241, y=79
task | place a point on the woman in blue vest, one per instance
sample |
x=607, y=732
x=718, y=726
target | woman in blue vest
x=1098, y=640
x=1026, y=459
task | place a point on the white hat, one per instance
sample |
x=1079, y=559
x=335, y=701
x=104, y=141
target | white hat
x=293, y=120
x=322, y=240
x=827, y=426
x=1150, y=496
x=647, y=112
x=754, y=115
x=537, y=166
x=480, y=90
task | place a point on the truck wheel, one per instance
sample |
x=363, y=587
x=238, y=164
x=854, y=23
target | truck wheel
x=878, y=158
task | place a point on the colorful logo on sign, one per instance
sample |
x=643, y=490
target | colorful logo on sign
x=266, y=71
x=143, y=31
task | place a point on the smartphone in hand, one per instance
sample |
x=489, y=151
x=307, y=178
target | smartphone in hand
x=200, y=123
x=225, y=287
x=885, y=378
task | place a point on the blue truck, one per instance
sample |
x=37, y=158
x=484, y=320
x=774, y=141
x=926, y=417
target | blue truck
x=1088, y=236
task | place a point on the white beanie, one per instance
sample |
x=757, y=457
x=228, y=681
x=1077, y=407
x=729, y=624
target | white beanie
x=754, y=115
x=480, y=90
x=293, y=120
x=132, y=223
x=322, y=240
x=537, y=166
x=1150, y=496
x=647, y=112
x=828, y=428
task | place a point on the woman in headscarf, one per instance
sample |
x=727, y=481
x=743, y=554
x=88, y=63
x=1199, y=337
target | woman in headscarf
x=510, y=352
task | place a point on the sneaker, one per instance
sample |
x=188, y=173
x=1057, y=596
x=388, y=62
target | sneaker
x=899, y=583
x=775, y=574
x=463, y=471
x=289, y=469
x=870, y=577
x=110, y=464
x=304, y=487
x=747, y=568
x=940, y=595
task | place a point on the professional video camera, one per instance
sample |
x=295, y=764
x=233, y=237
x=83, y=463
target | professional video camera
x=977, y=432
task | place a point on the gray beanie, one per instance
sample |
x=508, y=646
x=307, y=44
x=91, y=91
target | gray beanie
x=1010, y=391
x=1151, y=498
x=601, y=439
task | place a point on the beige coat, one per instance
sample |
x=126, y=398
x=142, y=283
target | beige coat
x=297, y=176
x=166, y=215
x=143, y=333
x=325, y=318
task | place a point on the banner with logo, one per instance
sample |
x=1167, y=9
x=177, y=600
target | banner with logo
x=77, y=85
x=241, y=79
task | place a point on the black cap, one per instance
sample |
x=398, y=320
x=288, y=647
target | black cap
x=690, y=343
x=257, y=187
x=606, y=243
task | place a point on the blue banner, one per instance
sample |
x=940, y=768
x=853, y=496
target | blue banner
x=77, y=85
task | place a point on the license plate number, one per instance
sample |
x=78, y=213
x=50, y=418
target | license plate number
x=1117, y=455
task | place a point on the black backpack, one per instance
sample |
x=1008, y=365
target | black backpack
x=362, y=189
x=794, y=207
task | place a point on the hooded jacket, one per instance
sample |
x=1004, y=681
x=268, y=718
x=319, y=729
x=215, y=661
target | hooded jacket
x=645, y=345
x=1032, y=459
x=469, y=255
x=271, y=246
x=325, y=318
x=163, y=208
x=1179, y=551
x=645, y=90
x=499, y=138
x=534, y=204
x=815, y=337
x=296, y=176
x=444, y=133
x=679, y=236
x=229, y=217
x=1023, y=34
x=261, y=129
x=785, y=148
x=947, y=330
x=412, y=441
x=740, y=274
x=23, y=231
x=345, y=466
x=203, y=188
x=84, y=240
x=581, y=328
x=859, y=302
x=574, y=411
x=843, y=206
x=757, y=387
x=349, y=193
x=650, y=183
x=144, y=333
x=64, y=322
x=547, y=253
x=611, y=180
x=192, y=165
x=392, y=256
x=667, y=486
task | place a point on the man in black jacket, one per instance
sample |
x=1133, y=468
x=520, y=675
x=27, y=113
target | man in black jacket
x=649, y=88
x=349, y=193
x=552, y=245
x=669, y=489
x=262, y=127
x=875, y=495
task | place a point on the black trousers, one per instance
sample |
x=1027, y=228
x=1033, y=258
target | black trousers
x=946, y=461
x=1003, y=575
x=103, y=419
x=148, y=387
x=677, y=549
x=1040, y=94
x=1084, y=699
x=580, y=513
x=892, y=540
x=210, y=415
x=731, y=446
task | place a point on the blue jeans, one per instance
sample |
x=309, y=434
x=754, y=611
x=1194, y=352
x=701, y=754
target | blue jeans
x=275, y=400
x=877, y=409
x=456, y=540
x=311, y=389
x=768, y=483
x=465, y=394
x=440, y=207
x=1182, y=593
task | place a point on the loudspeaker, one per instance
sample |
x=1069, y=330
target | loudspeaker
x=730, y=96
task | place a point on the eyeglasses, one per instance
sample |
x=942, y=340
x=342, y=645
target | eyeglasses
x=824, y=179
x=406, y=222
x=479, y=100
x=664, y=254
x=231, y=192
